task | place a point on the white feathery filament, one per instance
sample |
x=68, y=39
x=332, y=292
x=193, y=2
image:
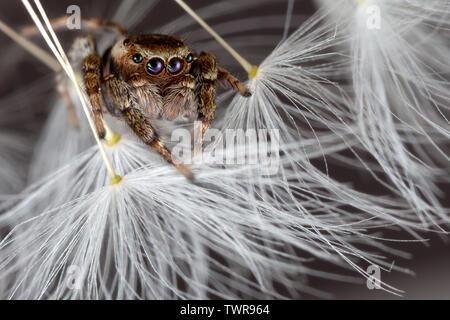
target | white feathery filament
x=60, y=55
x=251, y=69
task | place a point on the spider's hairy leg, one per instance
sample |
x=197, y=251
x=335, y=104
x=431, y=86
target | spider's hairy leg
x=83, y=54
x=206, y=71
x=93, y=24
x=138, y=122
x=143, y=129
x=64, y=93
x=206, y=125
x=225, y=75
x=82, y=47
x=92, y=66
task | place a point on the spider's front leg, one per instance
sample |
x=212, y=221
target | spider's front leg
x=207, y=72
x=92, y=66
x=93, y=24
x=84, y=52
x=82, y=47
x=225, y=75
x=138, y=122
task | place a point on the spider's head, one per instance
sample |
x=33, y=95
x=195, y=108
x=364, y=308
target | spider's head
x=152, y=57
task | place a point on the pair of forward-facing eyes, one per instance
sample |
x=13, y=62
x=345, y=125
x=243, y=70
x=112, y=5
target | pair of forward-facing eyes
x=156, y=65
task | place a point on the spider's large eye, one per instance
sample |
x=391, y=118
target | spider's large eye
x=189, y=58
x=155, y=65
x=175, y=65
x=137, y=58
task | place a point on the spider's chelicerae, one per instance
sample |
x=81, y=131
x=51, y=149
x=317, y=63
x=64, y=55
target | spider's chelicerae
x=146, y=77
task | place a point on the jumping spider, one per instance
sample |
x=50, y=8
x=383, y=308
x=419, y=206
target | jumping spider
x=146, y=77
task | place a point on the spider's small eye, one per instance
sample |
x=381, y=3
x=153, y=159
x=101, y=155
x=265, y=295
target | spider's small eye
x=189, y=58
x=175, y=65
x=137, y=58
x=155, y=65
x=126, y=42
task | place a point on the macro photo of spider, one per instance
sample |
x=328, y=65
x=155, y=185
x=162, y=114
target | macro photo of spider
x=147, y=77
x=225, y=149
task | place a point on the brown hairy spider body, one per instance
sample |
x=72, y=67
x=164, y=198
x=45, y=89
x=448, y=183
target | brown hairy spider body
x=146, y=77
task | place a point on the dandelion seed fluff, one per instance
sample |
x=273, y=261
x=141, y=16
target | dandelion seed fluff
x=400, y=92
x=157, y=236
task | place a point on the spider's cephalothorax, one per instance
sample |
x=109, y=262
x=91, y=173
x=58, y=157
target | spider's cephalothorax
x=146, y=77
x=159, y=72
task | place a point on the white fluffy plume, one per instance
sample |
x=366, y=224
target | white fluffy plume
x=133, y=240
x=399, y=68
